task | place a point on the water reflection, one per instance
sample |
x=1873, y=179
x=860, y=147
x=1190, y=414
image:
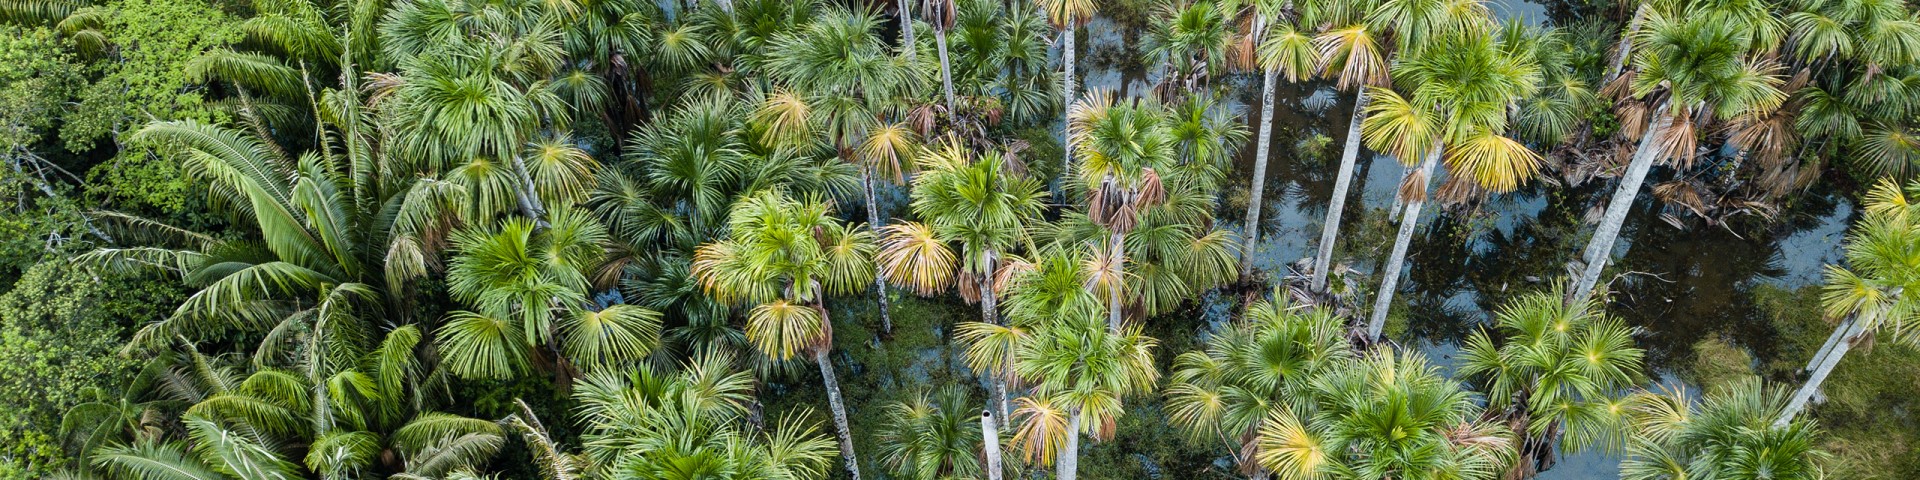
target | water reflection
x=1686, y=284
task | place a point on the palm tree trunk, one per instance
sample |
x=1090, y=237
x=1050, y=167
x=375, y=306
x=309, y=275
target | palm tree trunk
x=1601, y=246
x=839, y=407
x=946, y=69
x=990, y=312
x=1067, y=467
x=1390, y=277
x=990, y=432
x=1329, y=232
x=1624, y=51
x=873, y=223
x=1113, y=291
x=1066, y=101
x=1822, y=365
x=1399, y=197
x=1259, y=182
x=906, y=30
x=528, y=199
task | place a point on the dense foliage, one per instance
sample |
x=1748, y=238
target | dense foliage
x=607, y=238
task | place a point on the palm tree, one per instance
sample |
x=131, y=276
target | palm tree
x=1250, y=370
x=1286, y=51
x=651, y=423
x=1693, y=65
x=1869, y=294
x=782, y=257
x=1558, y=375
x=1081, y=372
x=1383, y=416
x=1355, y=55
x=1188, y=41
x=1066, y=15
x=366, y=416
x=842, y=83
x=529, y=291
x=1124, y=146
x=975, y=206
x=1463, y=90
x=931, y=436
x=1732, y=434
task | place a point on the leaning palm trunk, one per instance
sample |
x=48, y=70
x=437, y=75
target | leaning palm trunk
x=1259, y=186
x=990, y=430
x=1399, y=197
x=1601, y=246
x=906, y=30
x=1822, y=365
x=1329, y=232
x=1067, y=467
x=1113, y=291
x=1066, y=96
x=528, y=199
x=873, y=223
x=946, y=69
x=1390, y=276
x=839, y=407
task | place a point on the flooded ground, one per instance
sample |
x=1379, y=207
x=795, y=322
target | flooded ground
x=1685, y=285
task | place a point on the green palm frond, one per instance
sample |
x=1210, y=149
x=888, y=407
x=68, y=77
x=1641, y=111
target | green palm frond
x=617, y=336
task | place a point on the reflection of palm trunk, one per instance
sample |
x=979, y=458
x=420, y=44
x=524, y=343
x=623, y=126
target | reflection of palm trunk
x=1068, y=465
x=1390, y=276
x=1119, y=267
x=1601, y=246
x=825, y=363
x=1259, y=182
x=873, y=223
x=990, y=431
x=1330, y=231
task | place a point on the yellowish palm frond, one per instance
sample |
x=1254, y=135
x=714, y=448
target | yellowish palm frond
x=786, y=119
x=1041, y=429
x=782, y=330
x=1398, y=127
x=1353, y=56
x=1291, y=451
x=884, y=148
x=913, y=257
x=1496, y=162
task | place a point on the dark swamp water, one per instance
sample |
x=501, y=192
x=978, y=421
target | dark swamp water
x=1688, y=284
x=1691, y=284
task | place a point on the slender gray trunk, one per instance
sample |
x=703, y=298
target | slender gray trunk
x=1399, y=197
x=1068, y=465
x=839, y=407
x=1329, y=232
x=1120, y=270
x=946, y=69
x=1624, y=51
x=1066, y=96
x=1823, y=363
x=990, y=312
x=873, y=223
x=906, y=30
x=1601, y=247
x=990, y=431
x=1390, y=276
x=529, y=199
x=1259, y=182
x=1842, y=339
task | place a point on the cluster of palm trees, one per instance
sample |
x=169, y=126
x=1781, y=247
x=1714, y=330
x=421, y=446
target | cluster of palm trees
x=655, y=207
